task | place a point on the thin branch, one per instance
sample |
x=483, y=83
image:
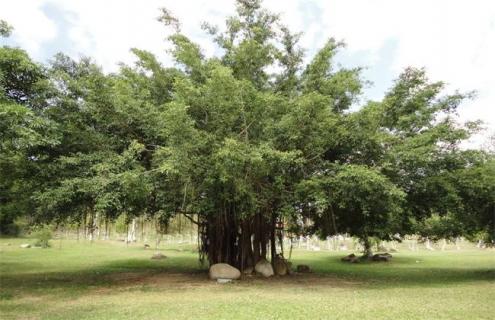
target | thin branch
x=190, y=219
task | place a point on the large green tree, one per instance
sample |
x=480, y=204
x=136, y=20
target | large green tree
x=247, y=144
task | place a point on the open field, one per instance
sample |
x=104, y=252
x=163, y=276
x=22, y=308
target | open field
x=107, y=280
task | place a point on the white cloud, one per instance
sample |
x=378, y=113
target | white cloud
x=32, y=26
x=106, y=30
x=453, y=39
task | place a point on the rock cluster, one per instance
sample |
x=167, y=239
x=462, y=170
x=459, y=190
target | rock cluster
x=224, y=271
x=352, y=258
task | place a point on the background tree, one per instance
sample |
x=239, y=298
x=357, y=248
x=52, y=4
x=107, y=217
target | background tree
x=23, y=91
x=5, y=28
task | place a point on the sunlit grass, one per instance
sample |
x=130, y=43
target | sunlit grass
x=115, y=281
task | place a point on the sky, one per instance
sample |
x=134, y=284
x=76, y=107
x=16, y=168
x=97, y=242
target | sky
x=454, y=40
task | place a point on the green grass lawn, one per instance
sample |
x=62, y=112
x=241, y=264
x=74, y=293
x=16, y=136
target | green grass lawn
x=107, y=280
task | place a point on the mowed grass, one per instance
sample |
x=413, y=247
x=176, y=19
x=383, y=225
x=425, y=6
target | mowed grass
x=108, y=280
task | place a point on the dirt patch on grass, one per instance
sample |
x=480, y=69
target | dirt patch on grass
x=300, y=280
x=171, y=280
x=200, y=280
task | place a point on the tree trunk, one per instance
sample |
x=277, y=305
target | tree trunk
x=428, y=245
x=97, y=225
x=273, y=245
x=225, y=238
x=91, y=226
x=131, y=234
x=367, y=252
x=291, y=247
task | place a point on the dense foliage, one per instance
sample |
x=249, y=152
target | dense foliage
x=248, y=144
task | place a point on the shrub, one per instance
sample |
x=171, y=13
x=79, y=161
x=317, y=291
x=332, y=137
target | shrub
x=43, y=237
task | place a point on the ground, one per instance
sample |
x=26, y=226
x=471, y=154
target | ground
x=109, y=280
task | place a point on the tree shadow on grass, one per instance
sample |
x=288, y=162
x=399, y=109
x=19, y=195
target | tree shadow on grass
x=183, y=272
x=109, y=274
x=401, y=272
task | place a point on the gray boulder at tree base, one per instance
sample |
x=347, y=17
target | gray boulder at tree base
x=264, y=268
x=281, y=266
x=224, y=271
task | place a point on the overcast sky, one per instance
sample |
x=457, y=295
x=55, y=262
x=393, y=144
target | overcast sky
x=453, y=39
